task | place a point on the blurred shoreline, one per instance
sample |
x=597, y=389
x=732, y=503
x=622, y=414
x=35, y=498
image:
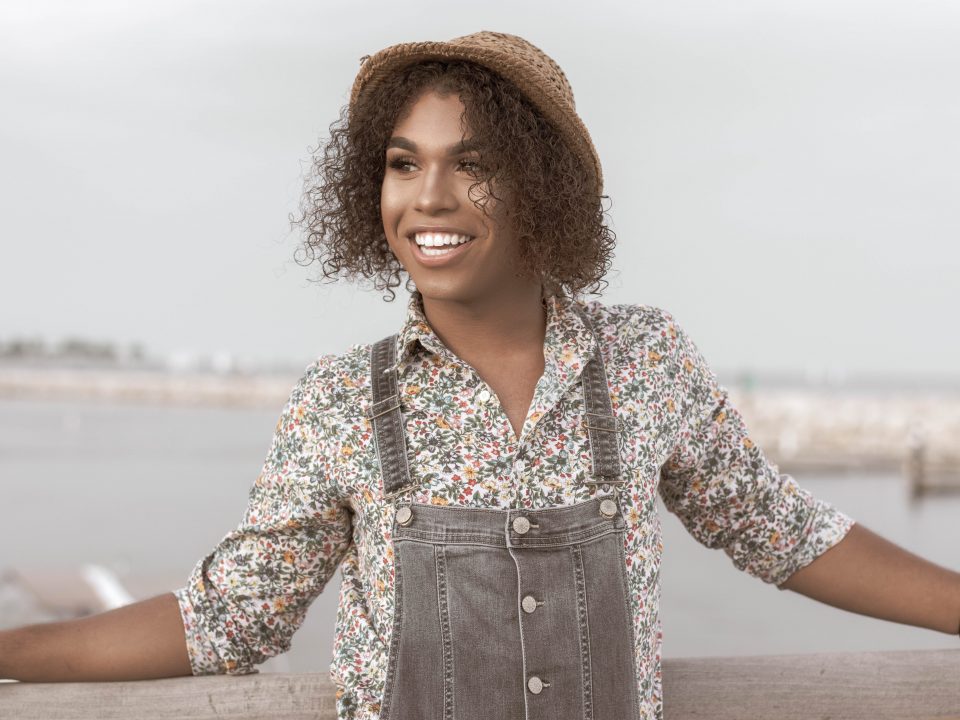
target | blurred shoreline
x=186, y=387
x=810, y=427
x=225, y=379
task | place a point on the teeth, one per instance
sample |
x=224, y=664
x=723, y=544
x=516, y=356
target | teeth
x=436, y=251
x=439, y=239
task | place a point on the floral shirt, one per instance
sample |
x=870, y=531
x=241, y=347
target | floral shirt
x=317, y=503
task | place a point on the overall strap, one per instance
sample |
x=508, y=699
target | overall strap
x=603, y=428
x=384, y=413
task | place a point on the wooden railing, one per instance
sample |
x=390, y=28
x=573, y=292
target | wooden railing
x=874, y=686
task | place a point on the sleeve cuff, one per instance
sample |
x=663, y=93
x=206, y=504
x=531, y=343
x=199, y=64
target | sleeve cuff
x=204, y=659
x=827, y=528
x=791, y=545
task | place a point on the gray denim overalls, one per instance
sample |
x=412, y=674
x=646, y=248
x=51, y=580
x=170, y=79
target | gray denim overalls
x=507, y=614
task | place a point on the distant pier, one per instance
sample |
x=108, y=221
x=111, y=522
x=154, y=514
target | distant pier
x=916, y=434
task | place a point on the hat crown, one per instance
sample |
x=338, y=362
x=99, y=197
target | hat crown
x=525, y=51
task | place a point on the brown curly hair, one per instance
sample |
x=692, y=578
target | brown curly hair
x=558, y=218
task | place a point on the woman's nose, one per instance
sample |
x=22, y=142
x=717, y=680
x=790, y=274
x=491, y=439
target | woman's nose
x=436, y=192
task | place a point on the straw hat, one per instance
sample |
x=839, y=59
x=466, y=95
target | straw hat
x=527, y=66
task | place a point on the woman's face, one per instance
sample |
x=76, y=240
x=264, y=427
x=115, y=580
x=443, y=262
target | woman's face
x=450, y=249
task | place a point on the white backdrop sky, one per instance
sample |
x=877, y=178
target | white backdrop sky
x=784, y=176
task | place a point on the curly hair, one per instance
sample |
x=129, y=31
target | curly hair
x=559, y=220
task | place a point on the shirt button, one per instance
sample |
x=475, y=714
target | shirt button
x=529, y=603
x=608, y=508
x=404, y=515
x=483, y=395
x=521, y=525
x=535, y=684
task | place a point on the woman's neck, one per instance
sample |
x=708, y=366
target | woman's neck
x=501, y=325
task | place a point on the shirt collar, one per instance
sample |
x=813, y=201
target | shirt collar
x=416, y=331
x=568, y=344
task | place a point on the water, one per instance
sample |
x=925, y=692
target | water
x=148, y=490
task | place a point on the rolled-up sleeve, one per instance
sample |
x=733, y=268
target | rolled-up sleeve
x=246, y=598
x=726, y=492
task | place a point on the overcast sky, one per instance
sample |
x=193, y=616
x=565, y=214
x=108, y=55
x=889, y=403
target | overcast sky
x=784, y=176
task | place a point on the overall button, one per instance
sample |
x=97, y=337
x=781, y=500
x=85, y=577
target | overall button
x=536, y=685
x=529, y=603
x=483, y=395
x=521, y=525
x=404, y=515
x=608, y=508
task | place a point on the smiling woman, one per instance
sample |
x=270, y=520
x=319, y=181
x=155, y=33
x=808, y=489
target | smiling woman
x=486, y=477
x=499, y=146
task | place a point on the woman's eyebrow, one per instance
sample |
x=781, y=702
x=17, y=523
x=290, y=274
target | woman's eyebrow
x=463, y=146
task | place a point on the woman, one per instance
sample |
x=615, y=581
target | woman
x=486, y=478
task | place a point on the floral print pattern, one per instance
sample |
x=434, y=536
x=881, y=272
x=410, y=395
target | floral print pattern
x=318, y=502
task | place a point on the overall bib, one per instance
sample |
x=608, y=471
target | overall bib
x=507, y=614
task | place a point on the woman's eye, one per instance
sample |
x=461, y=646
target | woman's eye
x=401, y=163
x=404, y=164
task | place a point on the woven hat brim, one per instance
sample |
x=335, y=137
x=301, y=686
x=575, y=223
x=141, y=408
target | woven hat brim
x=545, y=98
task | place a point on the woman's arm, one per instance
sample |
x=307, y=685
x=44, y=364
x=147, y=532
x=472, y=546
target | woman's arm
x=136, y=642
x=245, y=600
x=729, y=496
x=723, y=488
x=866, y=574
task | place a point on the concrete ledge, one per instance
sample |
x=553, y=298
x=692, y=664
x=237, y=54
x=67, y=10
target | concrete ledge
x=871, y=686
x=874, y=686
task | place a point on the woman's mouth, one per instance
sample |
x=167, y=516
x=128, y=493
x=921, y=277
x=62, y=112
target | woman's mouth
x=434, y=249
